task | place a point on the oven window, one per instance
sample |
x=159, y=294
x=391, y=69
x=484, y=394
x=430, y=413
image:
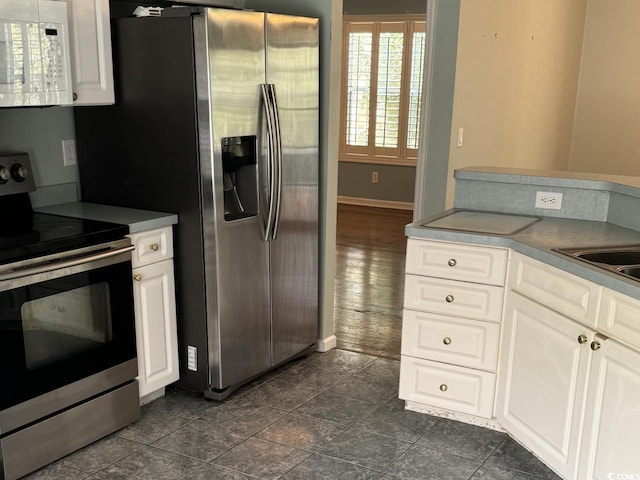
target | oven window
x=62, y=325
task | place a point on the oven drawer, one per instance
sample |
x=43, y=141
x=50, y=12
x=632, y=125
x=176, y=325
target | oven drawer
x=151, y=246
x=452, y=340
x=461, y=299
x=447, y=386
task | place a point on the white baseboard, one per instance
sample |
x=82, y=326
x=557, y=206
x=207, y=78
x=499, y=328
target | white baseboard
x=326, y=344
x=371, y=202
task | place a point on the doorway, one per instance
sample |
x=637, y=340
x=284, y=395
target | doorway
x=369, y=283
x=375, y=182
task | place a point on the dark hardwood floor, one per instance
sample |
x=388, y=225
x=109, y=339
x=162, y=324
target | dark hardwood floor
x=370, y=256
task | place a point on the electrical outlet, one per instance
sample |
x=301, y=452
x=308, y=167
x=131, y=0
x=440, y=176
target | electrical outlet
x=192, y=358
x=69, y=153
x=374, y=177
x=549, y=200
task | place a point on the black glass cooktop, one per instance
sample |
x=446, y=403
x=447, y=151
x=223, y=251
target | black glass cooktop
x=35, y=234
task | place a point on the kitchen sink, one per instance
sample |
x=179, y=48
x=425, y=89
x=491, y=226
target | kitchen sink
x=624, y=260
x=622, y=257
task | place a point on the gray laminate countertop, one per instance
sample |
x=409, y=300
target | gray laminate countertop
x=137, y=220
x=539, y=239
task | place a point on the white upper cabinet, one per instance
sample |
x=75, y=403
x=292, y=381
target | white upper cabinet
x=90, y=42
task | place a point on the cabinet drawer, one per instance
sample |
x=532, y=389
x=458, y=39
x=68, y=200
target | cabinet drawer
x=472, y=300
x=619, y=317
x=453, y=340
x=454, y=388
x=561, y=291
x=151, y=246
x=456, y=261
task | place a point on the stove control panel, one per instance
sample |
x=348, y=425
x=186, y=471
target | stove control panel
x=15, y=174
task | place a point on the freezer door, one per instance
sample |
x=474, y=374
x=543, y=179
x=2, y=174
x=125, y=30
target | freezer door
x=292, y=67
x=229, y=74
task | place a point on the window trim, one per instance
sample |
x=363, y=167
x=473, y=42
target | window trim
x=400, y=155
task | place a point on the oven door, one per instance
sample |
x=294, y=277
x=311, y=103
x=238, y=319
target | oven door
x=65, y=319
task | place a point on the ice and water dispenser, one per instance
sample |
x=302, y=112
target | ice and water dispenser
x=240, y=177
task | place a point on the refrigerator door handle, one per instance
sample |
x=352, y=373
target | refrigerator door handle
x=278, y=161
x=271, y=154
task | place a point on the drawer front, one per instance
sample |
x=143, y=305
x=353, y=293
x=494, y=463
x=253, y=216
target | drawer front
x=447, y=297
x=452, y=340
x=152, y=246
x=454, y=388
x=456, y=261
x=619, y=317
x=561, y=291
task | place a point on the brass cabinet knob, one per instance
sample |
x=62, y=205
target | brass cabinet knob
x=452, y=262
x=154, y=247
x=582, y=339
x=446, y=341
x=449, y=298
x=443, y=387
x=137, y=277
x=595, y=345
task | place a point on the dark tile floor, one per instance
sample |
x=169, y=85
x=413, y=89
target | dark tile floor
x=327, y=416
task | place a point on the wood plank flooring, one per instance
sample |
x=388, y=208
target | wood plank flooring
x=370, y=256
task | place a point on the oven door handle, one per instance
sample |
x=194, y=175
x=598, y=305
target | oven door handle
x=37, y=268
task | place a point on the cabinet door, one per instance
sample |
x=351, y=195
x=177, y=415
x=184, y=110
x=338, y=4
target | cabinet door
x=542, y=379
x=90, y=42
x=612, y=429
x=156, y=336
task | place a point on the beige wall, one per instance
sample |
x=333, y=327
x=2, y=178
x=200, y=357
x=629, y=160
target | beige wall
x=606, y=134
x=517, y=72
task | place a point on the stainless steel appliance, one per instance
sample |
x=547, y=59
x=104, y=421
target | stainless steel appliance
x=216, y=119
x=67, y=334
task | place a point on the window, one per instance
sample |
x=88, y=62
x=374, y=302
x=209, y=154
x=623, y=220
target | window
x=383, y=63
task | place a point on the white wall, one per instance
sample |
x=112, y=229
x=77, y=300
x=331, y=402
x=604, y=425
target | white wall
x=516, y=82
x=606, y=135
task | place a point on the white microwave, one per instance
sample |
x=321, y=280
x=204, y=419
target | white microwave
x=34, y=54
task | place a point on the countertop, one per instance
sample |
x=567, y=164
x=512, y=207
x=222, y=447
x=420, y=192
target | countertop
x=137, y=220
x=538, y=240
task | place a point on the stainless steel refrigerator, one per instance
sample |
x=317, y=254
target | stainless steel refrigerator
x=216, y=119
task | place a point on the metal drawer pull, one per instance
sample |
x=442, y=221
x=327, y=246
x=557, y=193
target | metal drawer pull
x=452, y=262
x=446, y=341
x=449, y=298
x=154, y=247
x=137, y=277
x=443, y=387
x=595, y=345
x=582, y=339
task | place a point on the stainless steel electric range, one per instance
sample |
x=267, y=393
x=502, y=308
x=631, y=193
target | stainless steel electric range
x=67, y=331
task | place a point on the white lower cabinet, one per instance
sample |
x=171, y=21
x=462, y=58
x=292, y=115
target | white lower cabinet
x=155, y=312
x=567, y=352
x=451, y=328
x=611, y=441
x=156, y=335
x=543, y=378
